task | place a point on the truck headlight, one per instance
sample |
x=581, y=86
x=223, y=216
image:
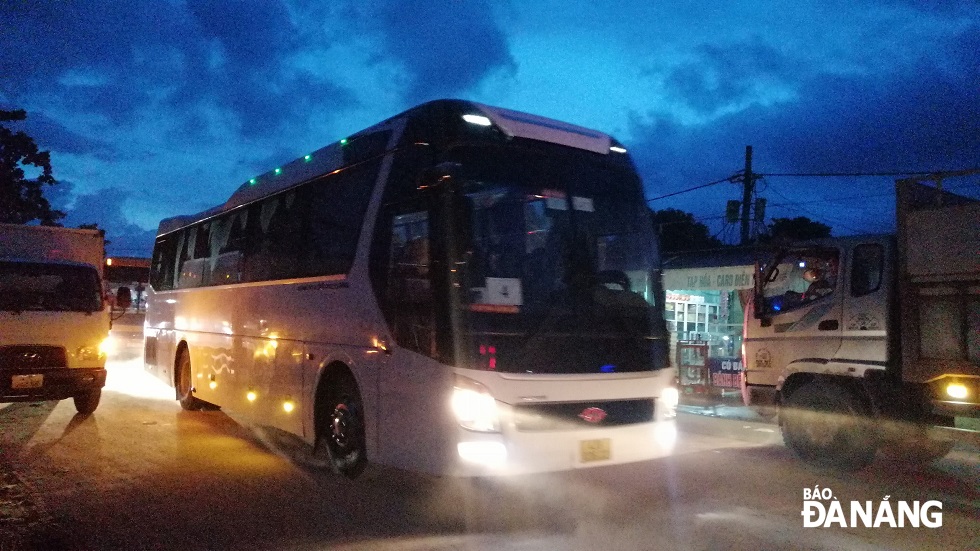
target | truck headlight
x=474, y=407
x=957, y=391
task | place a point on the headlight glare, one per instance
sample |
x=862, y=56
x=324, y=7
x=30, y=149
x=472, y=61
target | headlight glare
x=474, y=407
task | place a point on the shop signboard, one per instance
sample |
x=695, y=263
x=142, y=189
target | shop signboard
x=726, y=373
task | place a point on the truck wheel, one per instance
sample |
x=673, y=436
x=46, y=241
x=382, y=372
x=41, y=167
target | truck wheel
x=185, y=392
x=827, y=426
x=86, y=403
x=916, y=447
x=341, y=427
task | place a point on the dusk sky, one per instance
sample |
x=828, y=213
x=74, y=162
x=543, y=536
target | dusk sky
x=153, y=108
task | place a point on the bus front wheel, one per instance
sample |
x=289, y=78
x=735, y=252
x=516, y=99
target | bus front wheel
x=341, y=429
x=185, y=389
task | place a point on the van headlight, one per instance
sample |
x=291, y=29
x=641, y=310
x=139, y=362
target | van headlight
x=96, y=352
x=107, y=346
x=474, y=407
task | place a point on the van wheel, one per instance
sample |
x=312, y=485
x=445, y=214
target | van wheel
x=341, y=427
x=185, y=390
x=88, y=402
x=828, y=426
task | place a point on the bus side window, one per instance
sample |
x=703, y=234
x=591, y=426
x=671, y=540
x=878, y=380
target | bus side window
x=227, y=240
x=336, y=214
x=164, y=263
x=187, y=269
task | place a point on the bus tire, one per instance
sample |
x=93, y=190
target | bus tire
x=185, y=390
x=826, y=425
x=341, y=430
x=88, y=402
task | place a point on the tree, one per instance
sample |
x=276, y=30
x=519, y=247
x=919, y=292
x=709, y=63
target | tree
x=21, y=198
x=795, y=229
x=680, y=231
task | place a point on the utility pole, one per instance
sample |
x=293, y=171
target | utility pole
x=748, y=183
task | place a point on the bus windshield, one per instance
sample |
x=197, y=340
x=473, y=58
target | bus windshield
x=557, y=264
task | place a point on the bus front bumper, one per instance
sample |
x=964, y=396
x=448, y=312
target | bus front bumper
x=514, y=452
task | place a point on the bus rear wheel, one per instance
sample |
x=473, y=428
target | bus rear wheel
x=828, y=426
x=185, y=389
x=341, y=429
x=88, y=402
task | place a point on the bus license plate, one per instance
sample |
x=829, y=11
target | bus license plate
x=594, y=450
x=27, y=381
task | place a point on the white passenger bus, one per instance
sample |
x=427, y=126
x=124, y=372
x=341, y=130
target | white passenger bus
x=460, y=289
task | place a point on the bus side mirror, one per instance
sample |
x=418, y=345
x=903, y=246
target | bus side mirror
x=123, y=298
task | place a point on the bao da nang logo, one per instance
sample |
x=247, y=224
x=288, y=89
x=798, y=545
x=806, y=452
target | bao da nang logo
x=822, y=509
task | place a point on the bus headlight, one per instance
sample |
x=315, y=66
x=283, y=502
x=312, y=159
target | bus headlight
x=474, y=407
x=669, y=399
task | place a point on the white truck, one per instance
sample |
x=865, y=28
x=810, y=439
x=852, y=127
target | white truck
x=872, y=343
x=54, y=319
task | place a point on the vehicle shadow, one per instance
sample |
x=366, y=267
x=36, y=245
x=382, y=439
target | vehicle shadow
x=19, y=422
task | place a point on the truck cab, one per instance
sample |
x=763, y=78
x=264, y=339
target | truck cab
x=819, y=308
x=872, y=342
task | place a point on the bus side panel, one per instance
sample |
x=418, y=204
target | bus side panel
x=418, y=432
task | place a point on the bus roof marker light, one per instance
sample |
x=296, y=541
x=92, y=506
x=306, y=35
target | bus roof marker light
x=478, y=120
x=617, y=149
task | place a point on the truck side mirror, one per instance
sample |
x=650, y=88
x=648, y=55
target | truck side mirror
x=758, y=302
x=123, y=298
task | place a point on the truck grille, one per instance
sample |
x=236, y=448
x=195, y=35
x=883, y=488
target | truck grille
x=578, y=415
x=31, y=357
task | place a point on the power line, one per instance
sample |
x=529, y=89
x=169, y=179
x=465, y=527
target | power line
x=849, y=174
x=716, y=182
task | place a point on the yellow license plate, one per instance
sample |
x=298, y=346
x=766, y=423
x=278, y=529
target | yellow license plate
x=27, y=381
x=594, y=450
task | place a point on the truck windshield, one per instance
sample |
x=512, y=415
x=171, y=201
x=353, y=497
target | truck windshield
x=38, y=286
x=796, y=278
x=557, y=265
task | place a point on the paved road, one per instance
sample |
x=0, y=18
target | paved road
x=142, y=474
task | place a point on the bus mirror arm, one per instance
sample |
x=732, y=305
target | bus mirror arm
x=442, y=172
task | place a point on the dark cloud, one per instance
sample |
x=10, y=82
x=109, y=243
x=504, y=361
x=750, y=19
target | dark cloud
x=107, y=209
x=252, y=34
x=447, y=46
x=921, y=119
x=720, y=75
x=47, y=41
